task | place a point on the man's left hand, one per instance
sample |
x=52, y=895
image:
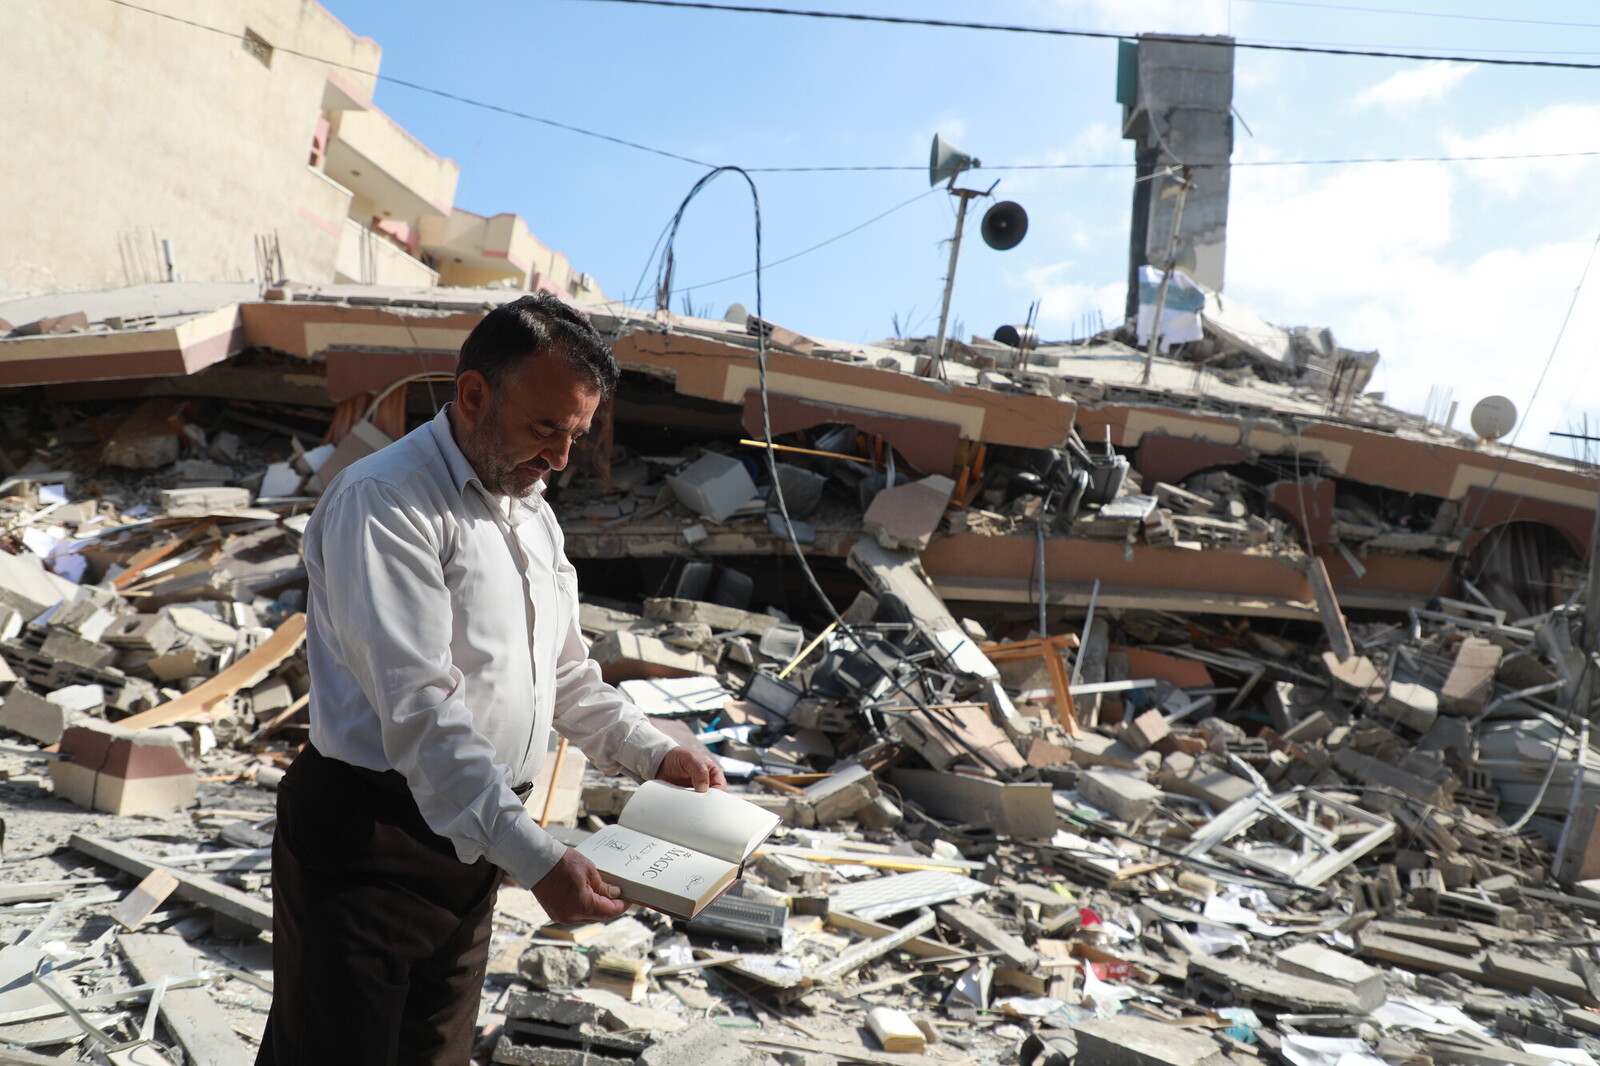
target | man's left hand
x=691, y=769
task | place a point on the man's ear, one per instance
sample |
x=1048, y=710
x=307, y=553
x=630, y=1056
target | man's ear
x=473, y=398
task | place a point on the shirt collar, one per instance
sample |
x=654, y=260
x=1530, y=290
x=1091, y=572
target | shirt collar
x=461, y=472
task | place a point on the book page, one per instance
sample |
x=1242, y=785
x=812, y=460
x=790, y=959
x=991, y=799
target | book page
x=714, y=822
x=657, y=873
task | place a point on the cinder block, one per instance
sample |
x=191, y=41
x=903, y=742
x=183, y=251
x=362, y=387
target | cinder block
x=152, y=633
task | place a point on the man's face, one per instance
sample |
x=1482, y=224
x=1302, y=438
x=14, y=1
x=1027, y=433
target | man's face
x=515, y=437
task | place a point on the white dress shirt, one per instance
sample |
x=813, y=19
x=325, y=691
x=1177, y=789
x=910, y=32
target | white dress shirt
x=443, y=643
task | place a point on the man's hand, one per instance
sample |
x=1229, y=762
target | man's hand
x=573, y=892
x=691, y=769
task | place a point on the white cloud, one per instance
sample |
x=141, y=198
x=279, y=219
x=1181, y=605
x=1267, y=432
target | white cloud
x=1557, y=128
x=1071, y=309
x=1407, y=88
x=1370, y=253
x=1143, y=16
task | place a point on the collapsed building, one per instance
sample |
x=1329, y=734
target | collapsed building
x=1224, y=714
x=1160, y=701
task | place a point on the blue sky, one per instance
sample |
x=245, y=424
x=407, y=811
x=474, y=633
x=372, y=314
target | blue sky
x=1460, y=273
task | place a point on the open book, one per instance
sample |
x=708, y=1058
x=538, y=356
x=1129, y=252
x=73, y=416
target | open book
x=676, y=849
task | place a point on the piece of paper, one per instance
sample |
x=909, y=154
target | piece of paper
x=1328, y=1051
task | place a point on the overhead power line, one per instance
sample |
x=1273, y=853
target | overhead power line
x=664, y=153
x=277, y=49
x=1054, y=31
x=1455, y=15
x=1236, y=163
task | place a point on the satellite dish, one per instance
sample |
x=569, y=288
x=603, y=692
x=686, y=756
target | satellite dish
x=1024, y=337
x=737, y=314
x=946, y=161
x=1494, y=417
x=1004, y=225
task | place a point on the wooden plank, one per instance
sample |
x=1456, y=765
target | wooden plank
x=190, y=1014
x=919, y=946
x=196, y=888
x=248, y=671
x=151, y=893
x=859, y=955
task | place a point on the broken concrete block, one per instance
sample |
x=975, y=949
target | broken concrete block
x=194, y=503
x=65, y=647
x=281, y=479
x=702, y=1044
x=1471, y=681
x=153, y=633
x=1129, y=1041
x=552, y=967
x=1145, y=731
x=1323, y=964
x=148, y=438
x=1125, y=796
x=625, y=656
x=79, y=699
x=1252, y=982
x=713, y=485
x=122, y=771
x=28, y=587
x=1218, y=789
x=802, y=490
x=841, y=794
x=1413, y=706
x=32, y=716
x=907, y=516
x=1019, y=809
x=1357, y=672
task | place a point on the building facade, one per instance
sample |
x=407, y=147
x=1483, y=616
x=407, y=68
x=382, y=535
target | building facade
x=227, y=143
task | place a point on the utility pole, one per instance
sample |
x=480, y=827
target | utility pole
x=965, y=196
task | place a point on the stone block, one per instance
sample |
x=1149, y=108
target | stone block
x=193, y=503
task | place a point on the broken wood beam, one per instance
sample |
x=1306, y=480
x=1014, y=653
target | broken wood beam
x=248, y=671
x=196, y=888
x=855, y=957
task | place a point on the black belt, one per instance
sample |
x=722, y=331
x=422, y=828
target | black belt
x=394, y=781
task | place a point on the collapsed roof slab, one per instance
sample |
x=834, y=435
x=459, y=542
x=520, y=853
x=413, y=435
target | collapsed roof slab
x=181, y=345
x=719, y=370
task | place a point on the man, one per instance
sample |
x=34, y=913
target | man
x=443, y=644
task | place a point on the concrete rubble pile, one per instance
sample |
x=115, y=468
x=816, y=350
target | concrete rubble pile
x=1130, y=837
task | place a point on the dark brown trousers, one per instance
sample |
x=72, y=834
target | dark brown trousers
x=380, y=935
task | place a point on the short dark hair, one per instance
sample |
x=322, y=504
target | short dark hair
x=532, y=325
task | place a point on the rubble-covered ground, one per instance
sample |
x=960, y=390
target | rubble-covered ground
x=1139, y=838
